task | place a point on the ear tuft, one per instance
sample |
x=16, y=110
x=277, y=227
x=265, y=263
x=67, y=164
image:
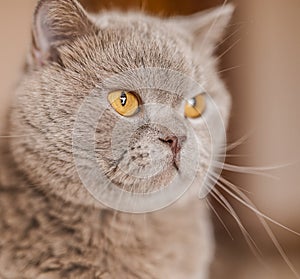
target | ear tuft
x=57, y=22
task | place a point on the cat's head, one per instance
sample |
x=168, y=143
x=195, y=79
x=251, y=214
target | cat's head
x=129, y=77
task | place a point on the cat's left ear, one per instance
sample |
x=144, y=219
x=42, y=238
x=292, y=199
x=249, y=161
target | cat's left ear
x=55, y=23
x=207, y=28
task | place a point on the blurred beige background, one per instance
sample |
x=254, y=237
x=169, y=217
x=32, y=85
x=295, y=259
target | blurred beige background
x=266, y=98
x=15, y=19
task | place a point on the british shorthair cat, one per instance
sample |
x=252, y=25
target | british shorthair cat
x=52, y=224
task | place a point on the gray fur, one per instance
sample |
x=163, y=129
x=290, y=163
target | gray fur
x=50, y=226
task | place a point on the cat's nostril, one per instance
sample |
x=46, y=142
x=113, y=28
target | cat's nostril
x=174, y=142
x=171, y=140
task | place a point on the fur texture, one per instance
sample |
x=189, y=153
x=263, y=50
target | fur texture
x=50, y=226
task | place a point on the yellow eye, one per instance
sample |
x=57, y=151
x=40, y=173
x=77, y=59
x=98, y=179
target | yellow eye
x=195, y=107
x=124, y=102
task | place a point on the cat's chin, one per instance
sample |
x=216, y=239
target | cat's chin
x=145, y=185
x=83, y=198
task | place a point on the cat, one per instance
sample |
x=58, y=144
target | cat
x=52, y=224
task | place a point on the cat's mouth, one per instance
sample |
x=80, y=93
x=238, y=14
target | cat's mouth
x=137, y=171
x=148, y=159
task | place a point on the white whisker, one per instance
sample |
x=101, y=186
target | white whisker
x=229, y=69
x=219, y=217
x=212, y=27
x=242, y=169
x=232, y=155
x=251, y=243
x=255, y=210
x=227, y=50
x=238, y=142
x=243, y=199
x=228, y=37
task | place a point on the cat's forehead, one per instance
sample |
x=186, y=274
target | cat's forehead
x=128, y=42
x=143, y=42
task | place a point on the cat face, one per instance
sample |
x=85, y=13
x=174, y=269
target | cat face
x=119, y=104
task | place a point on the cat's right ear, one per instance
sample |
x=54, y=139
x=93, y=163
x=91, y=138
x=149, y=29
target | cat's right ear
x=207, y=27
x=56, y=22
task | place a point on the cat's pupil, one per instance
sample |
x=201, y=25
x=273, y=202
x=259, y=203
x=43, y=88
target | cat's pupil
x=123, y=99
